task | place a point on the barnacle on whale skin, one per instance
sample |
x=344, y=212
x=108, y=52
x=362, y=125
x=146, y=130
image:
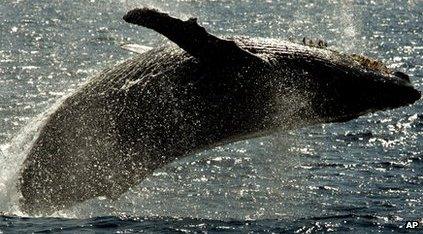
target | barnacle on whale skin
x=319, y=43
x=362, y=60
x=371, y=64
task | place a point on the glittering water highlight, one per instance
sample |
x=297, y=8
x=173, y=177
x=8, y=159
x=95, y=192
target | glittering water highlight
x=363, y=175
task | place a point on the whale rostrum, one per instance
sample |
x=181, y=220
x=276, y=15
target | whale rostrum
x=202, y=91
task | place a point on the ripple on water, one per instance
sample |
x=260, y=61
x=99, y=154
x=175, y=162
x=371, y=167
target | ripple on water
x=359, y=176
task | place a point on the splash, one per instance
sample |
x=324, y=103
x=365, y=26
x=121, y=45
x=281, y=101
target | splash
x=12, y=156
x=348, y=21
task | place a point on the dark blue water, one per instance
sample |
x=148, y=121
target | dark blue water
x=112, y=224
x=362, y=176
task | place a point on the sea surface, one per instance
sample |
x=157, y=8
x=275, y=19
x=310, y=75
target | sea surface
x=365, y=175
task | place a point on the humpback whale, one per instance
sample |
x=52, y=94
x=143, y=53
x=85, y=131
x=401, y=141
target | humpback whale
x=196, y=93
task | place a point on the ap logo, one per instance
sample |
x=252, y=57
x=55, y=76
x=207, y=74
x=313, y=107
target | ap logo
x=412, y=224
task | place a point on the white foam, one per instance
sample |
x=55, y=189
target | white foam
x=13, y=154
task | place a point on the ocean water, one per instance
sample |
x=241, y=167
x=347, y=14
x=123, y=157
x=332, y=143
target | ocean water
x=365, y=175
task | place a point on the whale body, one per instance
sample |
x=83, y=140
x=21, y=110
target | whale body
x=198, y=93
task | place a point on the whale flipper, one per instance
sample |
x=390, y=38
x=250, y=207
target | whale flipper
x=192, y=38
x=139, y=49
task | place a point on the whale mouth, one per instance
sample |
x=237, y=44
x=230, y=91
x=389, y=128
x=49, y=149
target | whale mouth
x=398, y=90
x=411, y=93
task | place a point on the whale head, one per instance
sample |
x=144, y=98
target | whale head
x=360, y=89
x=322, y=85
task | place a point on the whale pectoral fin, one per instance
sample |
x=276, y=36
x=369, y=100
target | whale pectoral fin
x=139, y=49
x=191, y=37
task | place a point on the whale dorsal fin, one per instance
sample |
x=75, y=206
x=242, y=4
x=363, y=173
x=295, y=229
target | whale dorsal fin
x=191, y=37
